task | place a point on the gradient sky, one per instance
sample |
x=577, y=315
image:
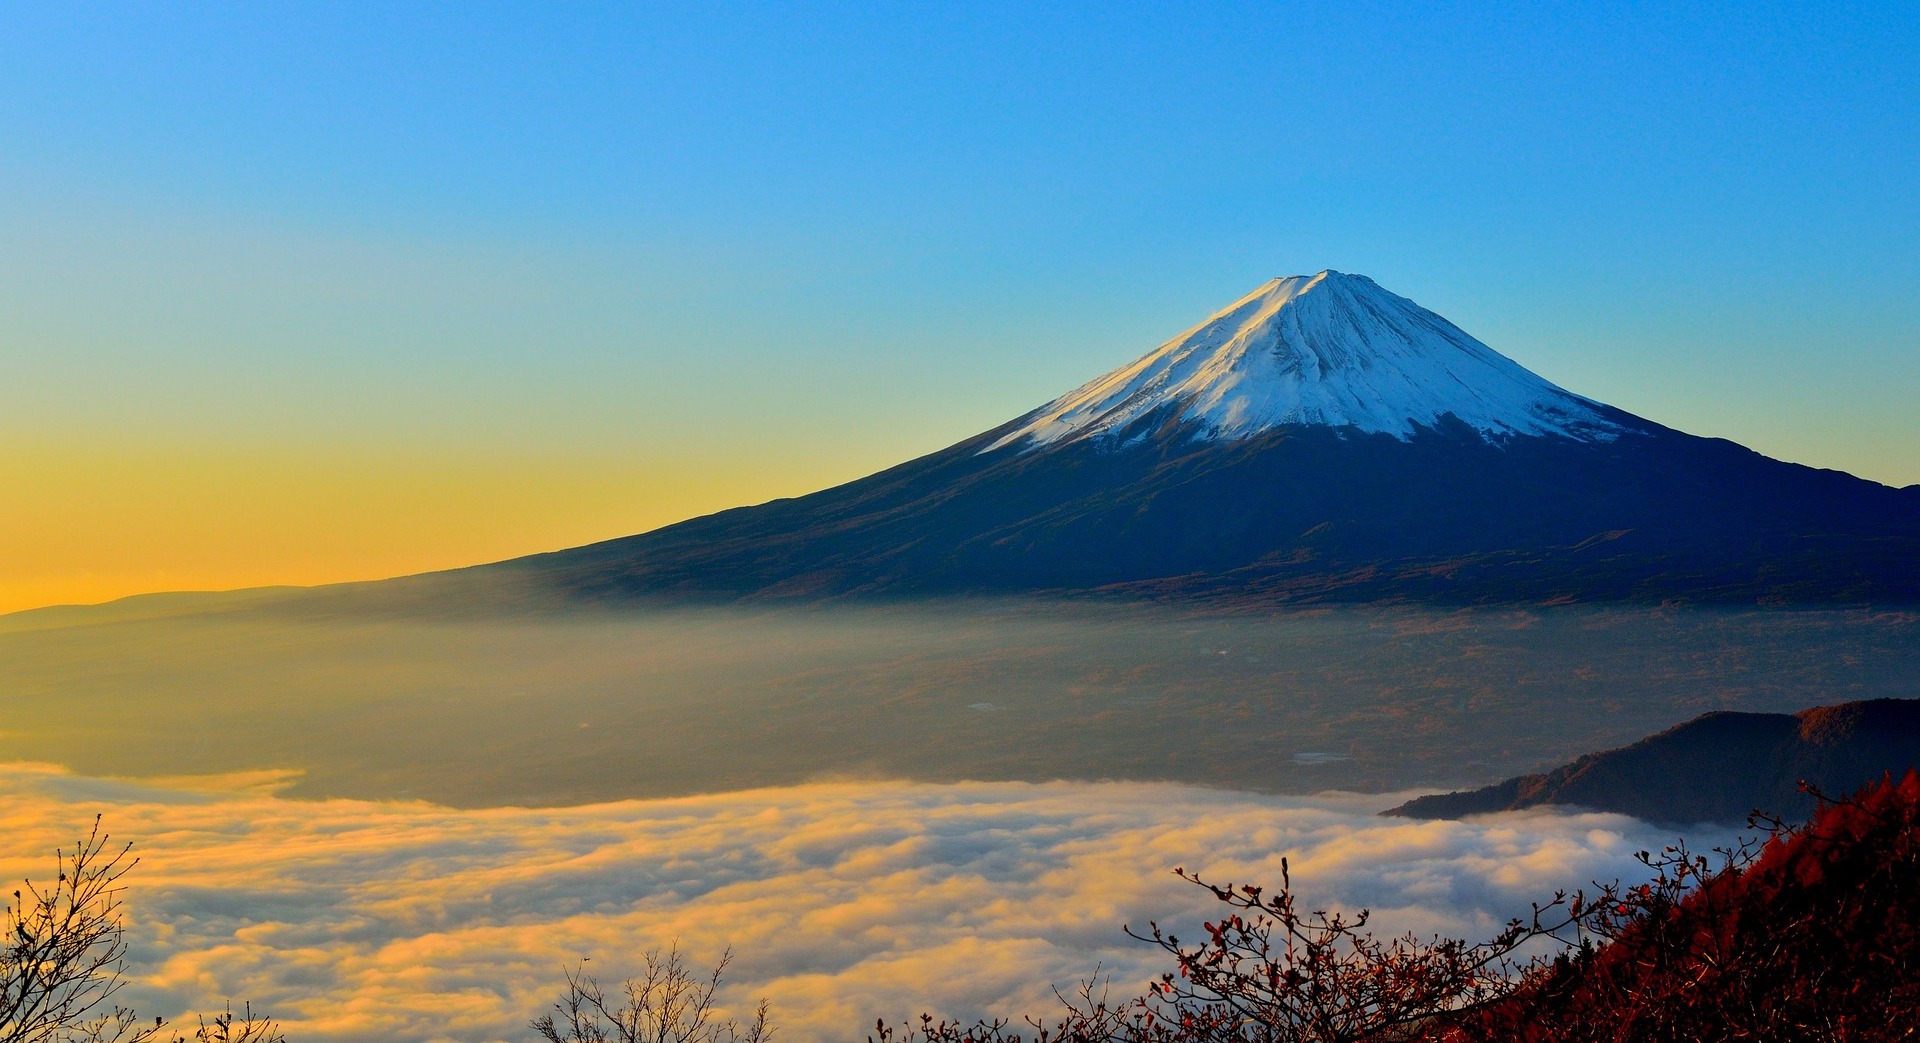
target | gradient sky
x=296, y=293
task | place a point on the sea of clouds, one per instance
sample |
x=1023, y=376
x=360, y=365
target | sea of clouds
x=842, y=902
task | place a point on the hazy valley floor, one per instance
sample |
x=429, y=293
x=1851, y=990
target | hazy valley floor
x=490, y=709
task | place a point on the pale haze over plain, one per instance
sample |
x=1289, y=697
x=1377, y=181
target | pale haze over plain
x=341, y=292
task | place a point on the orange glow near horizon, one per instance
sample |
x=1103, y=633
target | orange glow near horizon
x=89, y=525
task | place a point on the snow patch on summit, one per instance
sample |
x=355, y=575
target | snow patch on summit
x=1330, y=349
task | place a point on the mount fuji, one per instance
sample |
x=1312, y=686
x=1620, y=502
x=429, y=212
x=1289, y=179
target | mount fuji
x=1320, y=439
x=1330, y=350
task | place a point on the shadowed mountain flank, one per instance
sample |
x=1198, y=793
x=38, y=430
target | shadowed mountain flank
x=1715, y=768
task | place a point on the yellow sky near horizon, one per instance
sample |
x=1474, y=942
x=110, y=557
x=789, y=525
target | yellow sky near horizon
x=93, y=524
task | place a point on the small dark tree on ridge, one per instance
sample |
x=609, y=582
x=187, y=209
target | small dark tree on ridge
x=666, y=1003
x=63, y=961
x=1269, y=971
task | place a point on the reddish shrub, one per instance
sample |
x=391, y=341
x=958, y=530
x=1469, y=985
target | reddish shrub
x=1817, y=938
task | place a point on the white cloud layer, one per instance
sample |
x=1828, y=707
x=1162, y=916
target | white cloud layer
x=365, y=921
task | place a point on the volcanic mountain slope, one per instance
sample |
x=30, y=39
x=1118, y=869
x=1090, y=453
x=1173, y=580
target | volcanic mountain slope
x=1718, y=767
x=1321, y=439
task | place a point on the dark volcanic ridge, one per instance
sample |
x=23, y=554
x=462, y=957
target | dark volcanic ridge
x=1295, y=515
x=1719, y=767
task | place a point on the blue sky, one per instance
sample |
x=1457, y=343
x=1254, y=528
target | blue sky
x=709, y=254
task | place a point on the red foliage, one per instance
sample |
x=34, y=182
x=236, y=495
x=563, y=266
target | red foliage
x=1818, y=938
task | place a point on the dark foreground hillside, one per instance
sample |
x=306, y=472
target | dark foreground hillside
x=1817, y=940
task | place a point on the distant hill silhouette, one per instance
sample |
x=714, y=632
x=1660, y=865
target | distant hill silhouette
x=1716, y=767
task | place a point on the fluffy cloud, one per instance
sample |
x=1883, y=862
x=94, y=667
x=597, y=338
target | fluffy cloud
x=363, y=921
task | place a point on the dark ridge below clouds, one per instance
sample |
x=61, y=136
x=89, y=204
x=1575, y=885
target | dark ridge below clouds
x=1719, y=767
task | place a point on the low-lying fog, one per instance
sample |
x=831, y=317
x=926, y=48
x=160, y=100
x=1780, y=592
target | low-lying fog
x=390, y=922
x=486, y=709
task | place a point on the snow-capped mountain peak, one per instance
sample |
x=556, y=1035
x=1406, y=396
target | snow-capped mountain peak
x=1330, y=349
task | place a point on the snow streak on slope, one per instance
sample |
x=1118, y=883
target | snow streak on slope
x=1328, y=349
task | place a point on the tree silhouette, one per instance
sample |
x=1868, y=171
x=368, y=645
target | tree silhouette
x=667, y=1003
x=63, y=961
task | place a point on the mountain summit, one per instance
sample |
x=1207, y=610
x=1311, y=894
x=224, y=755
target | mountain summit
x=1330, y=349
x=1320, y=439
